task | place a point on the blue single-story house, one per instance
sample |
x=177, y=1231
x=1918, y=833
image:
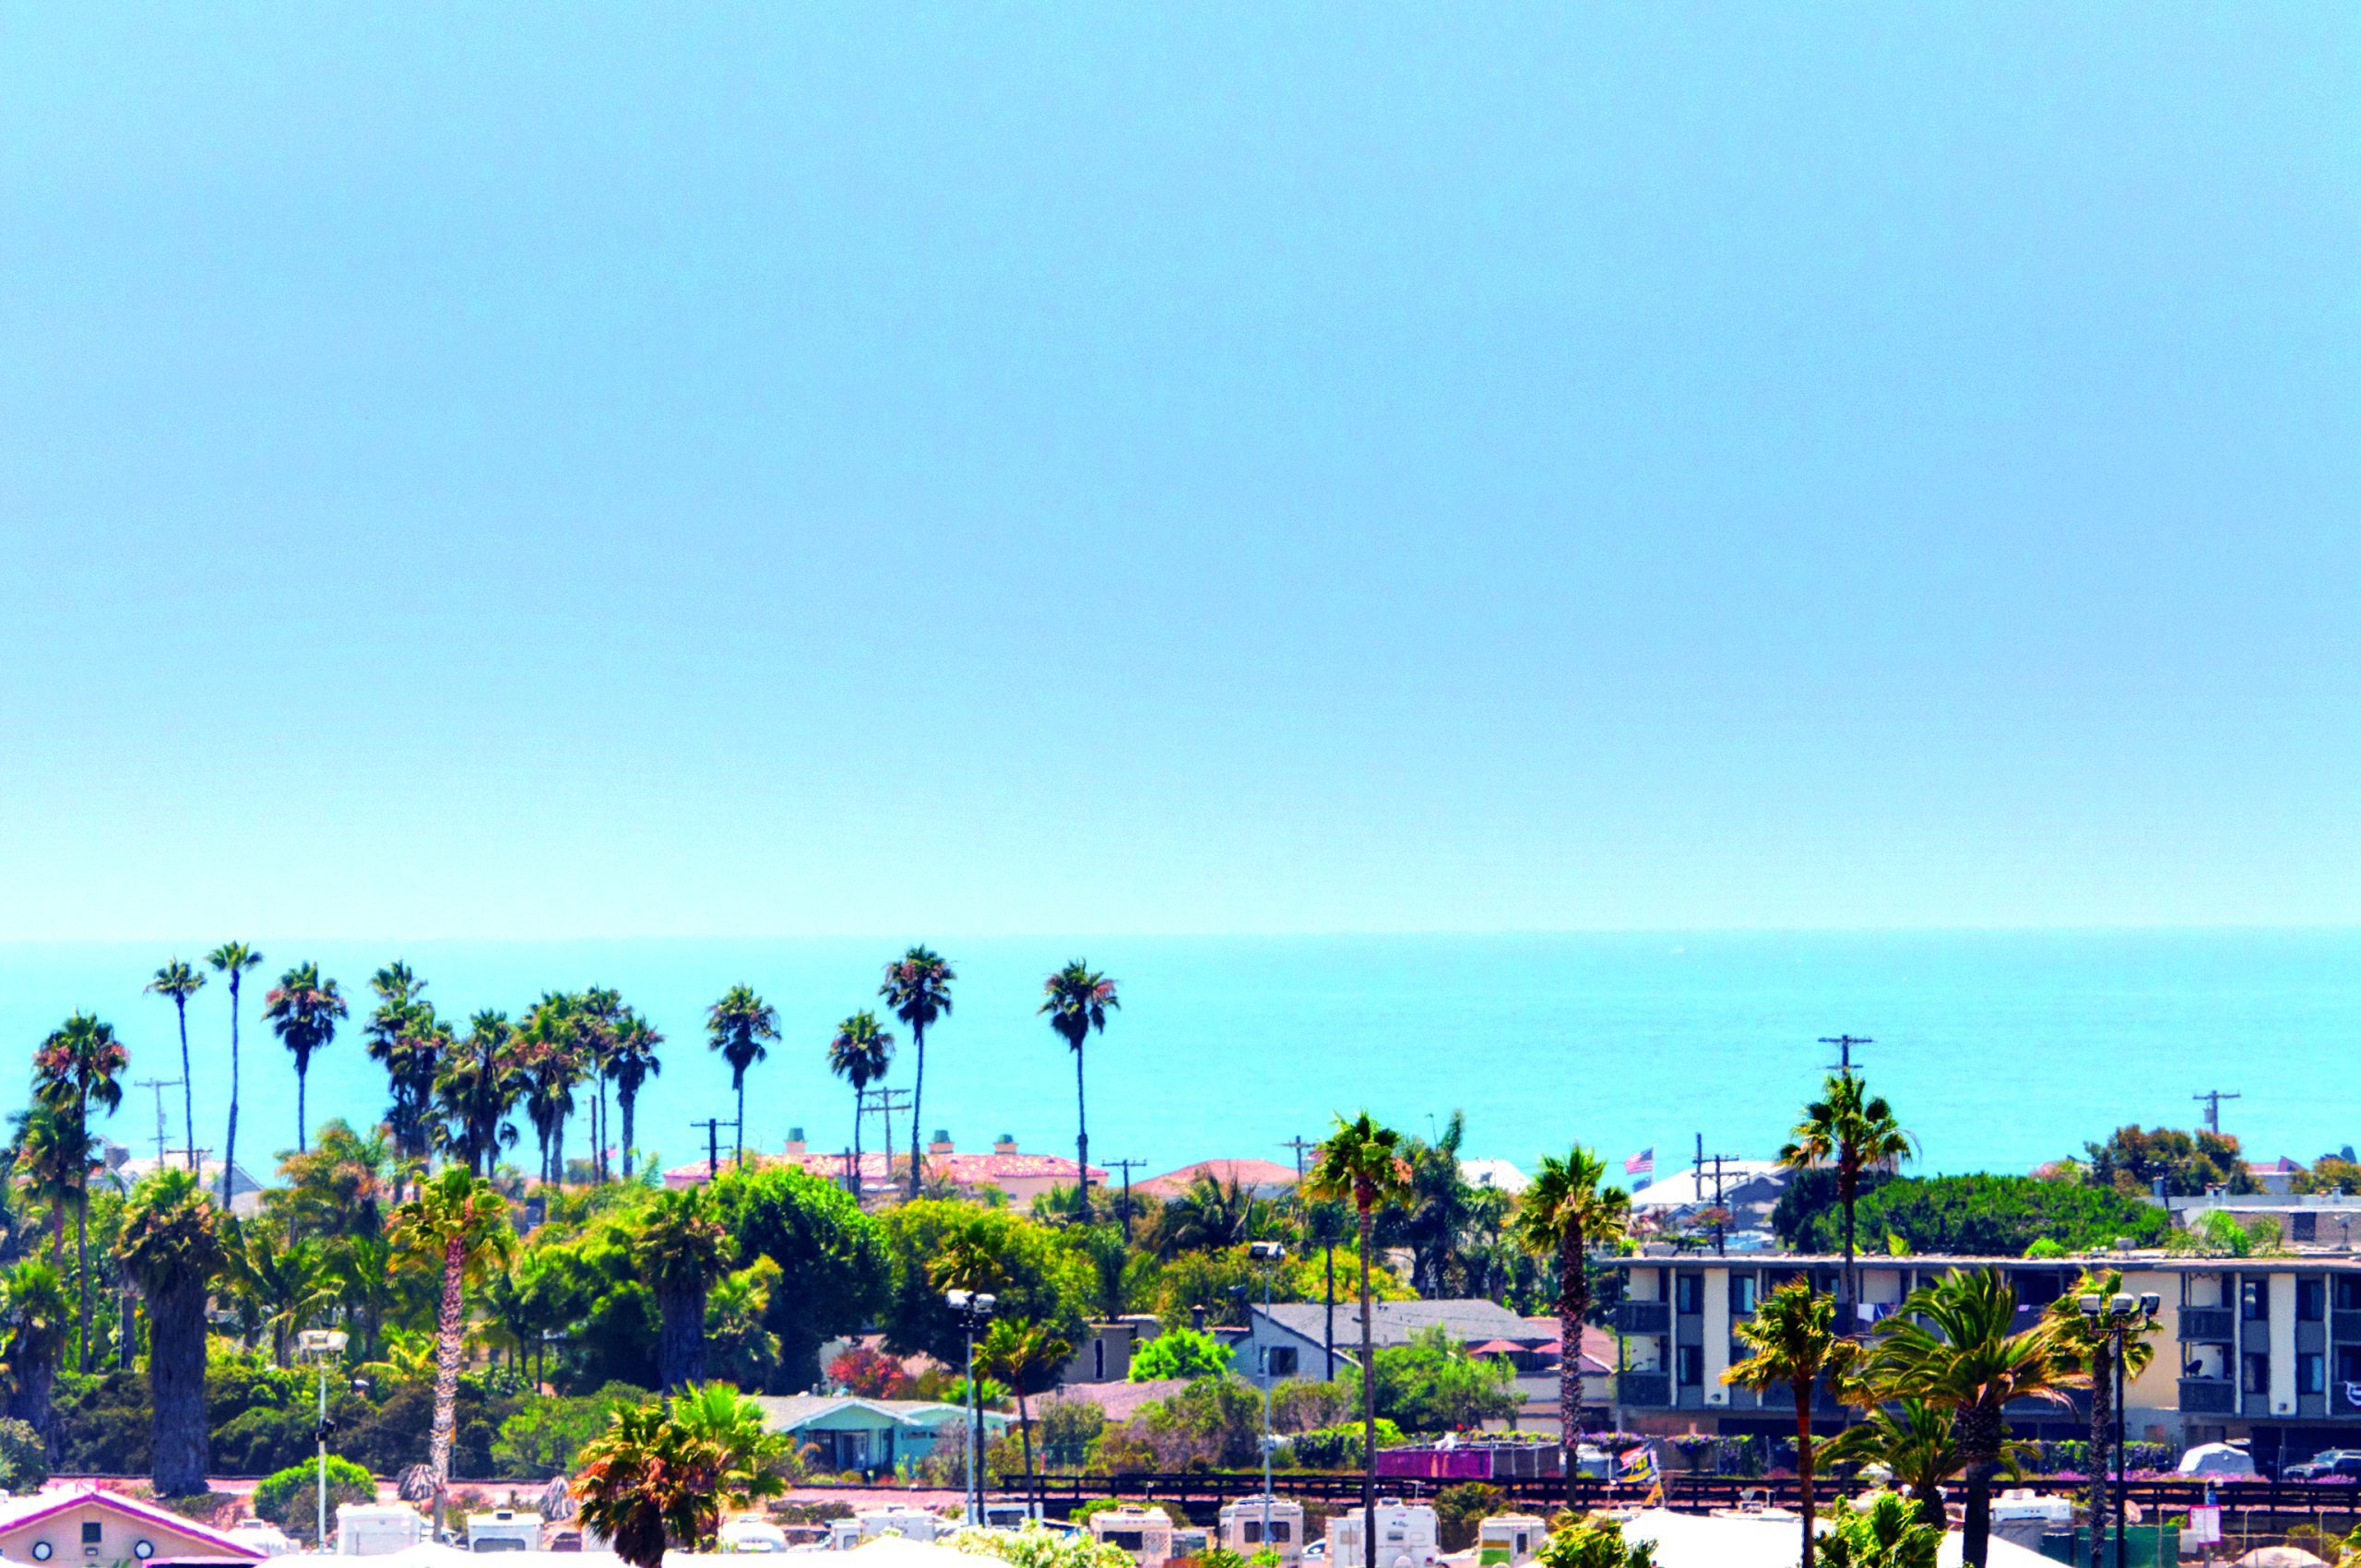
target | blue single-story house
x=854, y=1433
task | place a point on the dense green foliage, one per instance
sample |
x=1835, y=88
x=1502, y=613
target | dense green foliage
x=2133, y=1158
x=1993, y=1216
x=291, y=1498
x=1433, y=1384
x=1179, y=1352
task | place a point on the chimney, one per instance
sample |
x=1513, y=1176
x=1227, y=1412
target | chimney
x=1004, y=1144
x=794, y=1142
x=941, y=1143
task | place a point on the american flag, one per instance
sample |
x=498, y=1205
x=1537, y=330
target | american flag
x=1641, y=1164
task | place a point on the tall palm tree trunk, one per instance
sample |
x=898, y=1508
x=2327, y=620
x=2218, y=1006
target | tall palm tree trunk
x=740, y=1128
x=176, y=1387
x=1803, y=1464
x=1081, y=1142
x=303, y=1119
x=82, y=1272
x=2102, y=1417
x=1979, y=1442
x=852, y=1177
x=1328, y=1343
x=680, y=1345
x=448, y=1323
x=1847, y=1192
x=598, y=1134
x=625, y=1099
x=1572, y=1293
x=917, y=1099
x=1024, y=1429
x=230, y=1143
x=1369, y=1410
x=188, y=1095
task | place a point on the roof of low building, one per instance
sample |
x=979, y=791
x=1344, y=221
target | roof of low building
x=790, y=1412
x=1261, y=1176
x=1121, y=1401
x=17, y=1511
x=1471, y=1320
x=963, y=1169
x=1500, y=1175
x=1686, y=1189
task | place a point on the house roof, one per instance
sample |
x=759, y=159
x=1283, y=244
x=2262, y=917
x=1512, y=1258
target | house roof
x=1684, y=1189
x=2283, y=1166
x=1498, y=1174
x=792, y=1412
x=17, y=1511
x=1472, y=1320
x=1121, y=1401
x=965, y=1170
x=1261, y=1176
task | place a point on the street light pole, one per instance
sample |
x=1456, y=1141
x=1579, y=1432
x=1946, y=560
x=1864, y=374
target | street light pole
x=1268, y=1254
x=973, y=1307
x=2117, y=1317
x=321, y=1346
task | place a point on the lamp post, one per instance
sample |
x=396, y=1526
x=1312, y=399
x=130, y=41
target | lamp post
x=1269, y=1254
x=2118, y=1317
x=321, y=1346
x=973, y=1308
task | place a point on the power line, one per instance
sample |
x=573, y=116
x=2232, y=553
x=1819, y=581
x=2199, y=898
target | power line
x=1127, y=1167
x=2212, y=1100
x=1845, y=1044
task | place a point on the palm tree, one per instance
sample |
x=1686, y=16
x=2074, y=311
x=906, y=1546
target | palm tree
x=180, y=982
x=859, y=1055
x=171, y=1246
x=737, y=1027
x=458, y=1222
x=282, y=1289
x=1077, y=999
x=1955, y=1345
x=1325, y=1227
x=600, y=1018
x=79, y=1063
x=1916, y=1443
x=646, y=1481
x=1793, y=1343
x=406, y=1037
x=631, y=1064
x=52, y=1154
x=231, y=961
x=2090, y=1347
x=1564, y=1214
x=1851, y=1132
x=682, y=1250
x=1362, y=1161
x=34, y=1315
x=475, y=1089
x=302, y=1010
x=548, y=1055
x=1023, y=1353
x=750, y=1452
x=917, y=987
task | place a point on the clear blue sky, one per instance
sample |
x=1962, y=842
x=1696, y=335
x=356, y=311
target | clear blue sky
x=542, y=470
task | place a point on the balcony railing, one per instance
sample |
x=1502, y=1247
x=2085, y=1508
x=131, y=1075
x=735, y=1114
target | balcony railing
x=2208, y=1325
x=1643, y=1388
x=2208, y=1396
x=1645, y=1317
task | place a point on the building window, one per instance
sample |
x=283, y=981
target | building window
x=1282, y=1360
x=2348, y=1363
x=2311, y=1299
x=1689, y=1292
x=2258, y=1374
x=1691, y=1359
x=1282, y=1529
x=2254, y=1301
x=1253, y=1532
x=2308, y=1374
x=2303, y=1227
x=91, y=1530
x=1099, y=1359
x=2348, y=1293
x=1742, y=1293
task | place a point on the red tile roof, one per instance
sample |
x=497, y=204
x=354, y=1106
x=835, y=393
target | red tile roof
x=967, y=1169
x=1250, y=1174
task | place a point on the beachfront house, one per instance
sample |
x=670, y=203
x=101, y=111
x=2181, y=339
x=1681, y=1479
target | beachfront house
x=2263, y=1351
x=871, y=1436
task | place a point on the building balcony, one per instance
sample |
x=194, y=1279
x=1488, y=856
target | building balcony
x=1643, y=1388
x=2208, y=1396
x=1645, y=1317
x=2208, y=1325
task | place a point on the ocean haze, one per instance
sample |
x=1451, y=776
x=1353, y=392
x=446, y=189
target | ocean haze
x=1999, y=1049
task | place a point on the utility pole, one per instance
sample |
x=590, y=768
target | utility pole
x=1127, y=1167
x=713, y=1125
x=1299, y=1144
x=159, y=1086
x=1845, y=1044
x=1721, y=1247
x=2212, y=1100
x=882, y=1103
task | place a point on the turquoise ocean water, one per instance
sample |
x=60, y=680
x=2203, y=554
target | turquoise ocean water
x=1998, y=1049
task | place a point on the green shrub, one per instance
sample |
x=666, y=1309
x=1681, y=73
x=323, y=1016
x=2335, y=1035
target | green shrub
x=1179, y=1352
x=24, y=1458
x=289, y=1499
x=1460, y=1509
x=1339, y=1447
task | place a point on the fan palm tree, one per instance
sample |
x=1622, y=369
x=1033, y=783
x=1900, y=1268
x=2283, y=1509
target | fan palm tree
x=1793, y=1344
x=171, y=1247
x=1077, y=999
x=918, y=989
x=549, y=1051
x=1851, y=1132
x=283, y=1288
x=750, y=1452
x=602, y=1015
x=81, y=1062
x=631, y=1064
x=2090, y=1347
x=737, y=1026
x=476, y=1088
x=408, y=1040
x=1024, y=1354
x=180, y=982
x=648, y=1482
x=1362, y=1161
x=302, y=1010
x=682, y=1250
x=233, y=961
x=53, y=1156
x=34, y=1316
x=1562, y=1215
x=1919, y=1446
x=859, y=1055
x=1955, y=1345
x=460, y=1224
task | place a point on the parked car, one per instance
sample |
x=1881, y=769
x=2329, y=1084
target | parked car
x=2217, y=1459
x=2330, y=1464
